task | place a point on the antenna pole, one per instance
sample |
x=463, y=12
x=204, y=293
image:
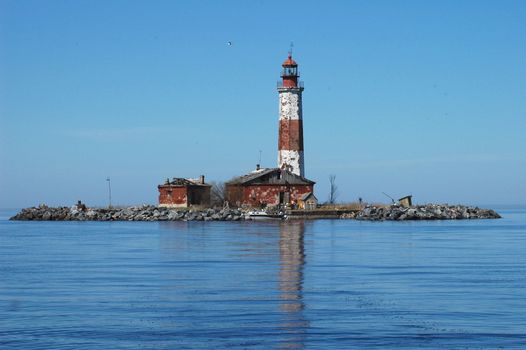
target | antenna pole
x=109, y=189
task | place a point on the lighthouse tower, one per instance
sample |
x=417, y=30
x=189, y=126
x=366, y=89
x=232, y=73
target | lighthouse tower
x=290, y=141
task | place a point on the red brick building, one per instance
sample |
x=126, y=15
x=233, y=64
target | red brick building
x=267, y=187
x=181, y=193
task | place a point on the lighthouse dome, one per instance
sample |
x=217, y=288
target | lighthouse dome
x=289, y=62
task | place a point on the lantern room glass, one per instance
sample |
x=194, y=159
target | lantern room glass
x=290, y=71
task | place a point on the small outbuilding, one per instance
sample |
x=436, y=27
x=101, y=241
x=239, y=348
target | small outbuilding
x=406, y=201
x=183, y=193
x=308, y=201
x=267, y=187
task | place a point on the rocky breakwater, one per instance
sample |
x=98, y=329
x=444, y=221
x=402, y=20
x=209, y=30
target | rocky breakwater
x=425, y=212
x=135, y=213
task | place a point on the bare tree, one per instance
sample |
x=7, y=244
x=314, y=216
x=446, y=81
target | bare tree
x=333, y=191
x=217, y=193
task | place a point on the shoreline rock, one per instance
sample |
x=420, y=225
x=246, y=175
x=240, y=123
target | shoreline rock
x=134, y=213
x=153, y=213
x=425, y=212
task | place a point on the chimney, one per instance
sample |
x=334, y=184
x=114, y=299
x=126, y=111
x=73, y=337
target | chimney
x=202, y=179
x=257, y=167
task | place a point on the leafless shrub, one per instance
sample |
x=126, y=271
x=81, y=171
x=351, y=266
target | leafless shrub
x=217, y=193
x=333, y=190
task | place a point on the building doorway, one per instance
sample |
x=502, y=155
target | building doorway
x=284, y=197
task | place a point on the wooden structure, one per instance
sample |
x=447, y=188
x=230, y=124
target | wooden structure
x=308, y=201
x=406, y=201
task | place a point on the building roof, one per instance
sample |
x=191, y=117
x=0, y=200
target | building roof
x=307, y=195
x=179, y=181
x=289, y=62
x=270, y=176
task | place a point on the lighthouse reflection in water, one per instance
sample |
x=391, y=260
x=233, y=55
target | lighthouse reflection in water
x=240, y=280
x=292, y=261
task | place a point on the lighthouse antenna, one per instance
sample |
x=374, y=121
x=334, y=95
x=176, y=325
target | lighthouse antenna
x=291, y=46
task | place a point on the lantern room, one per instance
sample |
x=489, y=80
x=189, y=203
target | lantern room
x=290, y=73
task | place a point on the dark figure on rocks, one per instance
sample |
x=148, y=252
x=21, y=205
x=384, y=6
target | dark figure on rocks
x=81, y=206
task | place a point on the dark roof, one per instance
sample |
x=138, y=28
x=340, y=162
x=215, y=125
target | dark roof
x=270, y=176
x=179, y=181
x=306, y=196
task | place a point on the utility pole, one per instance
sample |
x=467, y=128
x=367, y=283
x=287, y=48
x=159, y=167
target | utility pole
x=109, y=189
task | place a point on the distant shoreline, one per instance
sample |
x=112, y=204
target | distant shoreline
x=153, y=213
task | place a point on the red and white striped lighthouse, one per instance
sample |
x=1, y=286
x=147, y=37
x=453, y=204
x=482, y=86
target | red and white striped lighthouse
x=290, y=143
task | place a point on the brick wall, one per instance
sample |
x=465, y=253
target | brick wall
x=256, y=195
x=173, y=196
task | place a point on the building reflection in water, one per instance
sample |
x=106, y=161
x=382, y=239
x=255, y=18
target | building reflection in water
x=292, y=261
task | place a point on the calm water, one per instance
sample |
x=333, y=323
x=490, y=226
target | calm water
x=314, y=285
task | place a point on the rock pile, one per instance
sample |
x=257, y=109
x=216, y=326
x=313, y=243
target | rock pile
x=425, y=212
x=153, y=213
x=136, y=213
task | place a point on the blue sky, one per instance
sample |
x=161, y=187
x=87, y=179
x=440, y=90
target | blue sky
x=420, y=97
